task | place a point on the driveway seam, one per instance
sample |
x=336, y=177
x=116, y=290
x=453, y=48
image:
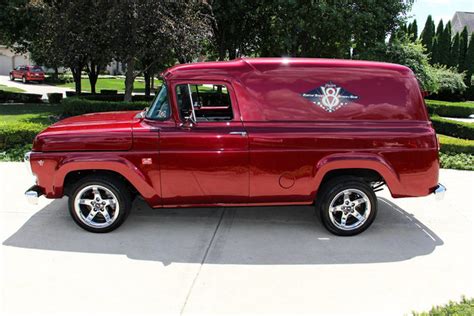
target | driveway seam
x=203, y=260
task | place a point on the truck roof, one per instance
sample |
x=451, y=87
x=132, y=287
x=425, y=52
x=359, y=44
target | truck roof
x=240, y=66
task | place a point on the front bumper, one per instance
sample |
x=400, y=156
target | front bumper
x=439, y=191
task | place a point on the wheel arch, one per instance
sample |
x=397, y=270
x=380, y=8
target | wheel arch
x=367, y=166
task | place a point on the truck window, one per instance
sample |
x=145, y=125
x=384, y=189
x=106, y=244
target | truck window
x=204, y=102
x=160, y=107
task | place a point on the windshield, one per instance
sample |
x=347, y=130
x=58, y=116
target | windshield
x=160, y=108
x=36, y=69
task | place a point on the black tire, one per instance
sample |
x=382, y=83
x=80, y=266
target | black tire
x=12, y=78
x=23, y=79
x=116, y=187
x=331, y=193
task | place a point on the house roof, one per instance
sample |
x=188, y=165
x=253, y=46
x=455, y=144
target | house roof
x=462, y=19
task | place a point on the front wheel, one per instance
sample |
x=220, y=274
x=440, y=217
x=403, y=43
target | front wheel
x=23, y=79
x=12, y=78
x=347, y=205
x=99, y=204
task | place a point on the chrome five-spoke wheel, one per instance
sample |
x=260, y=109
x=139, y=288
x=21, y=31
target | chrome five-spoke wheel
x=347, y=205
x=99, y=203
x=96, y=206
x=350, y=209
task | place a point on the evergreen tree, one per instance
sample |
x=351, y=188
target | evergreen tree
x=414, y=31
x=435, y=51
x=463, y=41
x=439, y=29
x=454, y=60
x=469, y=63
x=444, y=48
x=428, y=33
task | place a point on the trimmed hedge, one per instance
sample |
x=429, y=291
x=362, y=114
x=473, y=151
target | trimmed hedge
x=55, y=98
x=79, y=106
x=450, y=109
x=456, y=145
x=18, y=134
x=464, y=307
x=453, y=128
x=16, y=97
x=114, y=97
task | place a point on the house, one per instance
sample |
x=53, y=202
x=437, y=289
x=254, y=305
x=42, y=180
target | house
x=9, y=60
x=462, y=19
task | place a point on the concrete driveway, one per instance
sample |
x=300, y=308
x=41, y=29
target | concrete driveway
x=33, y=87
x=261, y=260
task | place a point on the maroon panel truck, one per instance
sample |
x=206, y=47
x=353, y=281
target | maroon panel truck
x=265, y=131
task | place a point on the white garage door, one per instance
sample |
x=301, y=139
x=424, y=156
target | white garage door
x=5, y=65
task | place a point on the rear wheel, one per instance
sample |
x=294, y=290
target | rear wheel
x=99, y=204
x=347, y=205
x=11, y=77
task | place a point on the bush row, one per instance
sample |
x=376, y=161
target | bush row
x=450, y=109
x=109, y=95
x=16, y=97
x=79, y=106
x=456, y=145
x=453, y=128
x=16, y=134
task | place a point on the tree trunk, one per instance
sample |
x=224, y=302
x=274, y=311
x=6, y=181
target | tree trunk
x=56, y=74
x=146, y=74
x=152, y=75
x=129, y=78
x=93, y=74
x=76, y=74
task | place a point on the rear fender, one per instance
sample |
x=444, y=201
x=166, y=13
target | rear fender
x=356, y=161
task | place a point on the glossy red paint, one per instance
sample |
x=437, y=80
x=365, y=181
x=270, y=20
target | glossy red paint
x=276, y=150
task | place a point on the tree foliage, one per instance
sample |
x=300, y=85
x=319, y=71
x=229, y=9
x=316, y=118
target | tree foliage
x=427, y=34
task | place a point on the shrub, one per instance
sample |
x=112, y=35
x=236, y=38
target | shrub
x=450, y=109
x=17, y=97
x=453, y=128
x=18, y=134
x=450, y=84
x=465, y=307
x=456, y=145
x=55, y=98
x=108, y=91
x=78, y=106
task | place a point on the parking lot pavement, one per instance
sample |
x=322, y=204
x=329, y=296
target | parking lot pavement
x=34, y=87
x=218, y=261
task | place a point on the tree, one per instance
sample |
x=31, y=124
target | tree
x=469, y=62
x=435, y=51
x=463, y=42
x=454, y=59
x=146, y=32
x=427, y=34
x=413, y=31
x=445, y=45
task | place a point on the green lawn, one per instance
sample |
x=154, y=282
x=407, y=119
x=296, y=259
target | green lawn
x=10, y=89
x=35, y=113
x=110, y=84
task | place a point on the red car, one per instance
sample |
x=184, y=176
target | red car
x=265, y=131
x=27, y=73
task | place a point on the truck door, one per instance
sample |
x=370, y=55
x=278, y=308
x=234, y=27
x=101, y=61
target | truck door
x=204, y=158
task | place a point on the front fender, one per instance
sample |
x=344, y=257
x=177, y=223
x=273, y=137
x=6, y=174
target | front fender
x=53, y=169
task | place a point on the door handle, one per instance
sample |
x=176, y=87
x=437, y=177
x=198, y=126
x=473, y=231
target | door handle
x=243, y=134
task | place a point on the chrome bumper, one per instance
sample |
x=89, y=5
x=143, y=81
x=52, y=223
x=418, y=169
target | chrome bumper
x=32, y=194
x=26, y=159
x=439, y=191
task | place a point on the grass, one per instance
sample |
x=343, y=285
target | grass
x=110, y=84
x=35, y=113
x=457, y=145
x=10, y=89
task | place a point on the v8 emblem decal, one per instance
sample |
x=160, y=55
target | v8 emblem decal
x=330, y=97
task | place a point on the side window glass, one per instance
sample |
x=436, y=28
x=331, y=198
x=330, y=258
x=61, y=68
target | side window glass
x=204, y=102
x=160, y=107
